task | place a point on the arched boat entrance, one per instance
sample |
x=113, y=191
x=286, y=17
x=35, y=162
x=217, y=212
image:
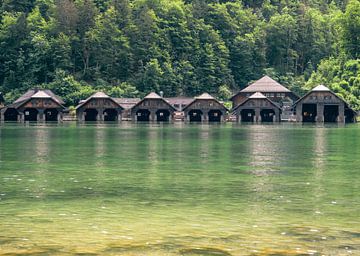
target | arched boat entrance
x=309, y=112
x=143, y=115
x=215, y=116
x=91, y=115
x=349, y=116
x=267, y=115
x=195, y=115
x=247, y=115
x=31, y=114
x=51, y=115
x=110, y=115
x=162, y=115
x=11, y=115
x=331, y=113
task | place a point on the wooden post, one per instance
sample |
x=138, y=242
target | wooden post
x=40, y=115
x=257, y=117
x=299, y=117
x=341, y=116
x=320, y=112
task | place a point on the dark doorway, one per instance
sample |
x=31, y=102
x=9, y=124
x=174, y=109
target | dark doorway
x=11, y=115
x=267, y=115
x=195, y=115
x=31, y=114
x=309, y=113
x=51, y=115
x=162, y=115
x=91, y=115
x=215, y=116
x=247, y=115
x=110, y=115
x=349, y=116
x=143, y=115
x=331, y=113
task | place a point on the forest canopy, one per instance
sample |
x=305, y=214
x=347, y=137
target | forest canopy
x=128, y=48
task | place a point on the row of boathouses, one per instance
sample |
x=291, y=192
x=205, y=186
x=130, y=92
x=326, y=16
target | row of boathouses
x=265, y=100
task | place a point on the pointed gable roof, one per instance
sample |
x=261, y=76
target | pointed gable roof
x=36, y=94
x=100, y=95
x=40, y=94
x=152, y=95
x=256, y=96
x=97, y=95
x=265, y=84
x=321, y=88
x=205, y=96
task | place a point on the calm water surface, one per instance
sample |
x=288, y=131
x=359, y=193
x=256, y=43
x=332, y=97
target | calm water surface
x=179, y=190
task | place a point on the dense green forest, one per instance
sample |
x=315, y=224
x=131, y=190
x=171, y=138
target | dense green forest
x=181, y=47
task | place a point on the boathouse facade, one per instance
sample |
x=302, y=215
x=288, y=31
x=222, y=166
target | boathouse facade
x=205, y=108
x=257, y=108
x=152, y=108
x=270, y=88
x=35, y=105
x=323, y=105
x=99, y=107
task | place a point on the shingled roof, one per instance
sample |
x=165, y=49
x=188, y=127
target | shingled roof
x=97, y=95
x=205, y=96
x=264, y=85
x=127, y=103
x=255, y=96
x=36, y=93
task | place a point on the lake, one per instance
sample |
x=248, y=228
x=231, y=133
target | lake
x=179, y=189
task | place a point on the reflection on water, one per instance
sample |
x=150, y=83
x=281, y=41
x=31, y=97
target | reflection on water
x=179, y=190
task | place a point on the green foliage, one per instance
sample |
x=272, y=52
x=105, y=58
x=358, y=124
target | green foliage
x=182, y=47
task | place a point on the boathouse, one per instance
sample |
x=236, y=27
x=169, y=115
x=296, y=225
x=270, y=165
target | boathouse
x=270, y=88
x=99, y=107
x=205, y=108
x=152, y=108
x=257, y=108
x=323, y=105
x=35, y=105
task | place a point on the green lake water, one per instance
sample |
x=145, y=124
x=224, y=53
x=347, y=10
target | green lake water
x=179, y=189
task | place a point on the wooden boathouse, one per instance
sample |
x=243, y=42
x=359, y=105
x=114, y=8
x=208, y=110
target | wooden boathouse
x=151, y=108
x=99, y=107
x=270, y=88
x=257, y=108
x=205, y=108
x=323, y=105
x=35, y=105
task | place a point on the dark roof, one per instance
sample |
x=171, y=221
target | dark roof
x=97, y=95
x=127, y=103
x=264, y=84
x=205, y=96
x=256, y=96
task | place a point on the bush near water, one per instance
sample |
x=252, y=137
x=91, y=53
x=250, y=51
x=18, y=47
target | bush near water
x=128, y=48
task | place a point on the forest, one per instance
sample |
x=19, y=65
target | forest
x=128, y=48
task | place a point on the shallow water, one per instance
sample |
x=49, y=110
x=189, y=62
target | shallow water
x=179, y=189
